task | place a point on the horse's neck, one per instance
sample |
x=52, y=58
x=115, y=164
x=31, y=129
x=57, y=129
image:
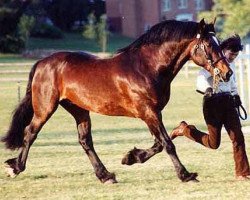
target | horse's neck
x=166, y=59
x=178, y=55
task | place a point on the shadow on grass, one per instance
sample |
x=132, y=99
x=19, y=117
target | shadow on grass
x=98, y=137
x=40, y=177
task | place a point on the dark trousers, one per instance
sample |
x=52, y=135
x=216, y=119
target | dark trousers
x=219, y=110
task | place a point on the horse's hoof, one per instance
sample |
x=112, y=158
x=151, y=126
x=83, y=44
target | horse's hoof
x=111, y=181
x=128, y=159
x=134, y=156
x=10, y=171
x=190, y=177
x=195, y=180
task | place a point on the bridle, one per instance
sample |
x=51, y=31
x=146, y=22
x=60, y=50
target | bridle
x=201, y=46
x=217, y=72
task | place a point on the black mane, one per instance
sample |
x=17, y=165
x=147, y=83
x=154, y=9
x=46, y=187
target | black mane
x=169, y=30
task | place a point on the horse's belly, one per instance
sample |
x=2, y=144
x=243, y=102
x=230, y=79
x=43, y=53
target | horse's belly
x=113, y=109
x=112, y=106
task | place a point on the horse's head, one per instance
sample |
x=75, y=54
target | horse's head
x=206, y=52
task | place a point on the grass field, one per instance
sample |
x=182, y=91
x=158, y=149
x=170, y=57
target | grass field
x=13, y=58
x=75, y=41
x=57, y=167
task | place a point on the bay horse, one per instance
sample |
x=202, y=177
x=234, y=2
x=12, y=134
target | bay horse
x=135, y=82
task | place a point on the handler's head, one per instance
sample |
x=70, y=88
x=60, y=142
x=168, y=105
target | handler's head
x=231, y=47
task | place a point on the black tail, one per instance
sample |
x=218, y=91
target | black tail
x=22, y=116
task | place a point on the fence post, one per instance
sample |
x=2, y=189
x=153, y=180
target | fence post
x=241, y=81
x=18, y=91
x=248, y=75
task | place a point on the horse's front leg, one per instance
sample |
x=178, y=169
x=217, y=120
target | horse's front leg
x=85, y=139
x=157, y=128
x=142, y=155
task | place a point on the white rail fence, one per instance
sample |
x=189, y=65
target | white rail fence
x=243, y=77
x=242, y=71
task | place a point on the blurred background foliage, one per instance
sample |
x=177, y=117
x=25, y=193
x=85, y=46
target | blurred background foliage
x=53, y=19
x=232, y=17
x=97, y=30
x=20, y=19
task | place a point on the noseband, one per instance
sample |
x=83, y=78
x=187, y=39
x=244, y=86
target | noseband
x=201, y=46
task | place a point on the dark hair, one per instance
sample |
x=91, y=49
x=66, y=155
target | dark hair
x=232, y=43
x=169, y=30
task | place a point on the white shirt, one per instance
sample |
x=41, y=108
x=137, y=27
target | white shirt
x=205, y=80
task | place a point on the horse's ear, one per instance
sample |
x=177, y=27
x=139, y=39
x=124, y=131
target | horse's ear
x=201, y=26
x=202, y=21
x=213, y=22
x=211, y=26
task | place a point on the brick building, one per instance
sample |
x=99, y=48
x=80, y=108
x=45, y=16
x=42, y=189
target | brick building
x=133, y=17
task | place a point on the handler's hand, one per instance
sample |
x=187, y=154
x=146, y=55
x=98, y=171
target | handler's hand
x=208, y=92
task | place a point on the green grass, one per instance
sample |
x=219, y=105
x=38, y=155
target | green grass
x=57, y=167
x=75, y=41
x=71, y=41
x=13, y=58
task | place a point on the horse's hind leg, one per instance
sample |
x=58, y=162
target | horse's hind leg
x=85, y=139
x=42, y=112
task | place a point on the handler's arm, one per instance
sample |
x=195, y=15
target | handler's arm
x=203, y=81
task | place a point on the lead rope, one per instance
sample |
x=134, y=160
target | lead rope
x=216, y=80
x=239, y=112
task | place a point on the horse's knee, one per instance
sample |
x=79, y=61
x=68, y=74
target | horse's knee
x=86, y=142
x=170, y=148
x=83, y=142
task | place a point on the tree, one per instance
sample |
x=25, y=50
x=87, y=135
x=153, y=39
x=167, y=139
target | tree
x=232, y=16
x=24, y=27
x=97, y=30
x=102, y=33
x=98, y=8
x=10, y=13
x=64, y=13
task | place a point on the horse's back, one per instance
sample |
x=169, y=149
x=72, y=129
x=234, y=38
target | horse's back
x=68, y=57
x=63, y=64
x=61, y=68
x=78, y=77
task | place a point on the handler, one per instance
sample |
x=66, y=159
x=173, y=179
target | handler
x=219, y=108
